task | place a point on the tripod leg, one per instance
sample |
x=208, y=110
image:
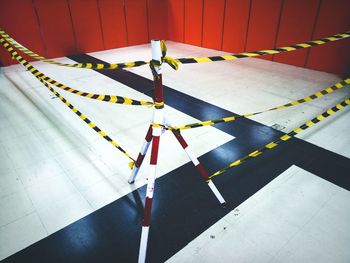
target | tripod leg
x=199, y=166
x=141, y=156
x=149, y=198
x=158, y=117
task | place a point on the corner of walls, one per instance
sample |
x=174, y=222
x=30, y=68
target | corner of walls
x=100, y=25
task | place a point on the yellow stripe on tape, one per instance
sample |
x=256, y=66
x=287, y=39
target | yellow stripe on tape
x=320, y=117
x=289, y=49
x=228, y=119
x=236, y=163
x=283, y=138
x=199, y=60
x=298, y=130
x=304, y=45
x=271, y=145
x=330, y=111
x=255, y=153
x=309, y=123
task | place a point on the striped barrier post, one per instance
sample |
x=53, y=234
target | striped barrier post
x=158, y=117
x=199, y=166
x=141, y=155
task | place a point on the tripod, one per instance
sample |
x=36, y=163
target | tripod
x=153, y=136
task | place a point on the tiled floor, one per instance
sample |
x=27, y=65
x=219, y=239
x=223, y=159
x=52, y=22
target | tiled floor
x=55, y=170
x=298, y=217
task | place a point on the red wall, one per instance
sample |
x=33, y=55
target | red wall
x=193, y=22
x=87, y=26
x=235, y=25
x=113, y=23
x=251, y=25
x=263, y=25
x=53, y=29
x=157, y=19
x=295, y=28
x=176, y=20
x=213, y=23
x=136, y=21
x=335, y=57
x=229, y=25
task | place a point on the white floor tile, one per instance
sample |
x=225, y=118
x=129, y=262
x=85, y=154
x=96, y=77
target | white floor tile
x=70, y=208
x=5, y=161
x=292, y=219
x=106, y=191
x=50, y=190
x=10, y=183
x=14, y=206
x=20, y=234
x=88, y=174
x=41, y=171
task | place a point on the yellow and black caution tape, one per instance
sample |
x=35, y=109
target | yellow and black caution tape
x=97, y=66
x=174, y=62
x=274, y=51
x=28, y=66
x=101, y=97
x=284, y=138
x=314, y=96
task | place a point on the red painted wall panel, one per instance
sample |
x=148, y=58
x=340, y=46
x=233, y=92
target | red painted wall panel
x=193, y=22
x=176, y=17
x=87, y=26
x=263, y=25
x=332, y=57
x=213, y=21
x=113, y=23
x=136, y=21
x=157, y=19
x=296, y=28
x=57, y=30
x=235, y=26
x=18, y=18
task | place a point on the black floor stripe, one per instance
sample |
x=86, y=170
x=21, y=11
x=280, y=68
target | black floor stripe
x=183, y=207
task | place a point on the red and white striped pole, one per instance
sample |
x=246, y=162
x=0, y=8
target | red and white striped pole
x=141, y=156
x=158, y=117
x=199, y=166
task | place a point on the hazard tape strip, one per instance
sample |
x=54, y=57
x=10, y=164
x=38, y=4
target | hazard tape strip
x=308, y=44
x=314, y=96
x=100, y=97
x=285, y=137
x=96, y=66
x=92, y=125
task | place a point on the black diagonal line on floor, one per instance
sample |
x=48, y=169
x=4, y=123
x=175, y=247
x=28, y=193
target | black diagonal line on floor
x=183, y=207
